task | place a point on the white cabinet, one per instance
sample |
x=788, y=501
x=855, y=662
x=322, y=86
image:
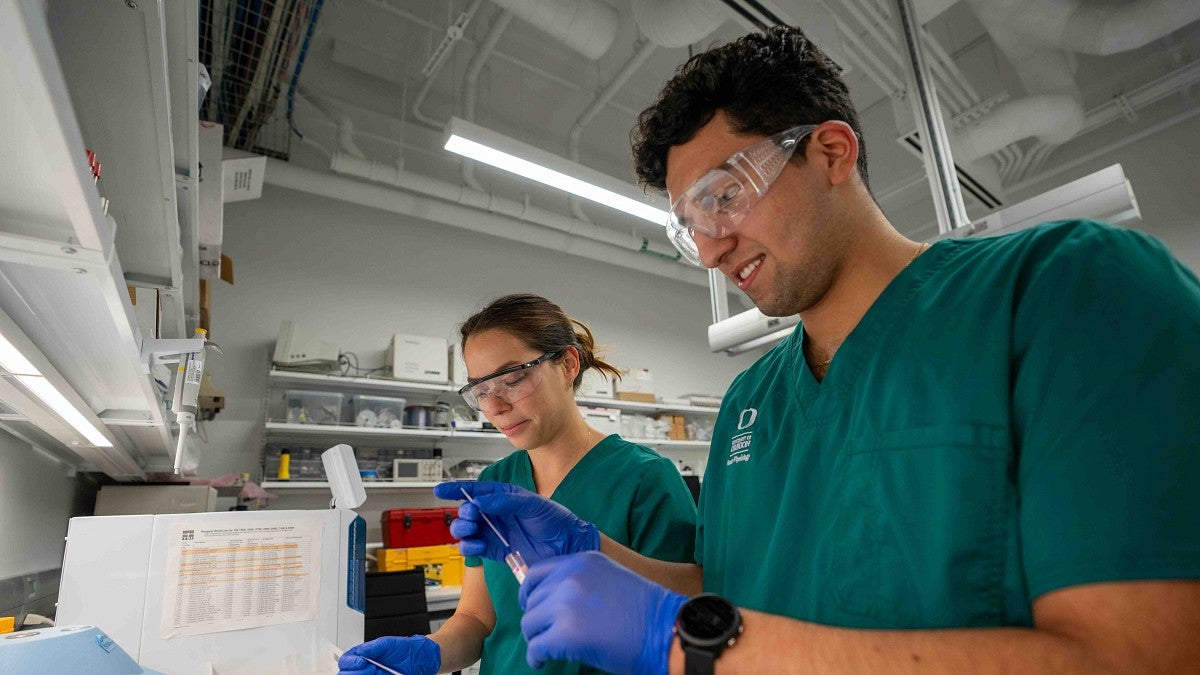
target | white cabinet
x=93, y=75
x=454, y=443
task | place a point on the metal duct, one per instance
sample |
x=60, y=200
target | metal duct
x=1052, y=118
x=586, y=26
x=678, y=23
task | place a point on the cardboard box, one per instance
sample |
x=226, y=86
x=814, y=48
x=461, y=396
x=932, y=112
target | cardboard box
x=419, y=359
x=678, y=429
x=211, y=400
x=636, y=396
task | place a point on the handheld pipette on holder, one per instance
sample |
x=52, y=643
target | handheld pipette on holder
x=514, y=560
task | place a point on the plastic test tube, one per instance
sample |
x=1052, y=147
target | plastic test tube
x=514, y=560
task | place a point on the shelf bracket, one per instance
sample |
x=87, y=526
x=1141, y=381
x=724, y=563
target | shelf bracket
x=156, y=351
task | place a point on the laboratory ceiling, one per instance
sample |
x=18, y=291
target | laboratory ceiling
x=1028, y=88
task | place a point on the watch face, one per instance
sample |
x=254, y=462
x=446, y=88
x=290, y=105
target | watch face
x=707, y=619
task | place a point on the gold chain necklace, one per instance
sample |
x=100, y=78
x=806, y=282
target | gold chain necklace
x=920, y=250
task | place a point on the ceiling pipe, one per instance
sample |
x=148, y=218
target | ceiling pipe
x=1053, y=112
x=471, y=83
x=1090, y=28
x=498, y=220
x=644, y=50
x=1051, y=118
x=396, y=176
x=928, y=10
x=678, y=23
x=585, y=26
x=419, y=100
x=1037, y=36
x=1114, y=28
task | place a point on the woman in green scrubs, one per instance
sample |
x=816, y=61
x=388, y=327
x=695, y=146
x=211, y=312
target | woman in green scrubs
x=525, y=358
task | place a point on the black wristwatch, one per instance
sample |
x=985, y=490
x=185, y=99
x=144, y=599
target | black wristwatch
x=706, y=625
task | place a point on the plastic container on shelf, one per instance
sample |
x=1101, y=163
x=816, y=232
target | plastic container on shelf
x=304, y=464
x=405, y=528
x=313, y=407
x=378, y=411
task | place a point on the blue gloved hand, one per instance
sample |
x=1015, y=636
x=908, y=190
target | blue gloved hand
x=415, y=655
x=537, y=527
x=588, y=608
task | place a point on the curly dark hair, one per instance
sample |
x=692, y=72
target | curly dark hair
x=764, y=82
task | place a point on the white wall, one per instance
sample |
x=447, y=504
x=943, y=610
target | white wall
x=37, y=498
x=354, y=276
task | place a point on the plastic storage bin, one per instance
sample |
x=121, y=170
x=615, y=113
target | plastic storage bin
x=408, y=528
x=313, y=407
x=443, y=564
x=305, y=464
x=378, y=411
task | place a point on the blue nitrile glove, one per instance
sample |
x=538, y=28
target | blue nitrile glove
x=588, y=608
x=537, y=527
x=415, y=655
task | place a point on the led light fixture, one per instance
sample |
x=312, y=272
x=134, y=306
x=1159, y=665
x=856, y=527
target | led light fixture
x=24, y=372
x=502, y=152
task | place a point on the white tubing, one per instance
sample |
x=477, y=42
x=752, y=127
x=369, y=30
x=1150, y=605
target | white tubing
x=1052, y=118
x=479, y=213
x=644, y=51
x=586, y=26
x=1119, y=27
x=471, y=83
x=677, y=23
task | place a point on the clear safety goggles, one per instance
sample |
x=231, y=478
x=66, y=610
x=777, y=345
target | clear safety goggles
x=509, y=385
x=717, y=202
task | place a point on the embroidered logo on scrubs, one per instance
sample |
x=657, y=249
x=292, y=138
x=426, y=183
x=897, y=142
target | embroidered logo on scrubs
x=739, y=449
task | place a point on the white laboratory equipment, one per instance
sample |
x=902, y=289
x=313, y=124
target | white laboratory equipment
x=65, y=649
x=191, y=594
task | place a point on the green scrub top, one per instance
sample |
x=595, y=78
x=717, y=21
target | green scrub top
x=630, y=492
x=1012, y=415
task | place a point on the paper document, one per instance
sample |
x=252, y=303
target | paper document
x=222, y=577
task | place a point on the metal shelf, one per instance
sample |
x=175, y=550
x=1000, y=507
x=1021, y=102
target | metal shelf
x=322, y=381
x=657, y=407
x=324, y=485
x=278, y=430
x=336, y=382
x=64, y=282
x=290, y=430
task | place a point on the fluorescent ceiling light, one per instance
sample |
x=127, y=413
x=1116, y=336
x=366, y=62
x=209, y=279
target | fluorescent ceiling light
x=489, y=147
x=24, y=372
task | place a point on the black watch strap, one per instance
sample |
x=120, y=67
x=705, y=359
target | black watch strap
x=698, y=661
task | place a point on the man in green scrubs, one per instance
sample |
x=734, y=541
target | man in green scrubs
x=1000, y=435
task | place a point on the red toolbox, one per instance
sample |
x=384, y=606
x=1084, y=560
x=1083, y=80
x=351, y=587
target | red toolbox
x=408, y=528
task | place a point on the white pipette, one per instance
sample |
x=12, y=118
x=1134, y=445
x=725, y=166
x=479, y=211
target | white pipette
x=514, y=560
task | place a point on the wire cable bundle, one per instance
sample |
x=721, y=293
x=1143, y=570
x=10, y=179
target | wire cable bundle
x=255, y=51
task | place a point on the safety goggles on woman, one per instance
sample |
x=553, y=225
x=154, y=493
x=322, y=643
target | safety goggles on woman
x=717, y=202
x=509, y=385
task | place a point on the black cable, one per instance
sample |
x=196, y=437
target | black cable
x=770, y=16
x=745, y=14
